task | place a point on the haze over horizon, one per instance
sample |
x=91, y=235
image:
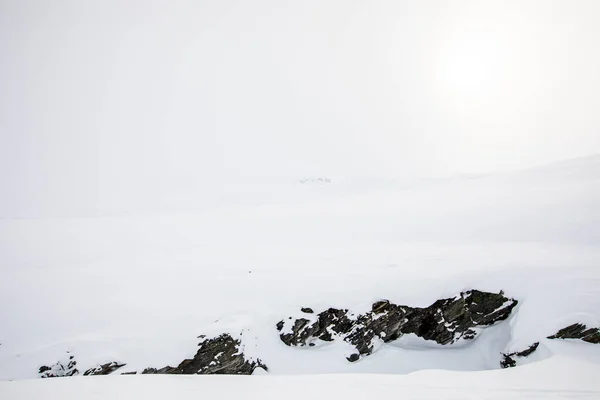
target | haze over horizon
x=110, y=105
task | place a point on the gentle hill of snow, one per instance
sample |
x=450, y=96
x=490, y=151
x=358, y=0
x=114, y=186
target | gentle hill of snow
x=139, y=288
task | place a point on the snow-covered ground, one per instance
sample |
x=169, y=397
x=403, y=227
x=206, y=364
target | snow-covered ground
x=559, y=378
x=139, y=288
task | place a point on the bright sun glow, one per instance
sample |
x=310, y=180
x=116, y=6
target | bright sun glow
x=475, y=65
x=472, y=70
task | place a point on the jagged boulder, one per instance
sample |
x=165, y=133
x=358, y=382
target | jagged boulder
x=104, y=369
x=446, y=321
x=578, y=331
x=329, y=322
x=60, y=369
x=219, y=355
x=510, y=360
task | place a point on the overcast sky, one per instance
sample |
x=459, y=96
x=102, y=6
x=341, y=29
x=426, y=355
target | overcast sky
x=132, y=98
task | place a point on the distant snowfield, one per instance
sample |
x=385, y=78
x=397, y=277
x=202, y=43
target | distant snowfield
x=139, y=288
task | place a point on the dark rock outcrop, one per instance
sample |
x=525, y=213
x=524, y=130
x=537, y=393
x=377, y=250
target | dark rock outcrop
x=60, y=369
x=510, y=360
x=446, y=321
x=331, y=321
x=578, y=331
x=104, y=369
x=219, y=355
x=163, y=370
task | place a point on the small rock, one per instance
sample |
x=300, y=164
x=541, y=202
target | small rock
x=307, y=310
x=280, y=325
x=104, y=369
x=149, y=371
x=508, y=360
x=578, y=331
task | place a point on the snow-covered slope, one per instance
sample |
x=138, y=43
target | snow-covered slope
x=558, y=378
x=140, y=288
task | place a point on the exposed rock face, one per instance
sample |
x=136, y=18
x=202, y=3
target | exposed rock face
x=163, y=370
x=510, y=360
x=60, y=369
x=220, y=355
x=578, y=331
x=104, y=369
x=329, y=322
x=446, y=321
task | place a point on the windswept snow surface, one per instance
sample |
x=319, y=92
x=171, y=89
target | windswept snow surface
x=139, y=288
x=558, y=378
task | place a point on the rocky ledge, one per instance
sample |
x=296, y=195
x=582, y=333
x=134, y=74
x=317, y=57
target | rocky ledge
x=219, y=355
x=578, y=331
x=446, y=321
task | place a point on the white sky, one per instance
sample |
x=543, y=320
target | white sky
x=137, y=97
